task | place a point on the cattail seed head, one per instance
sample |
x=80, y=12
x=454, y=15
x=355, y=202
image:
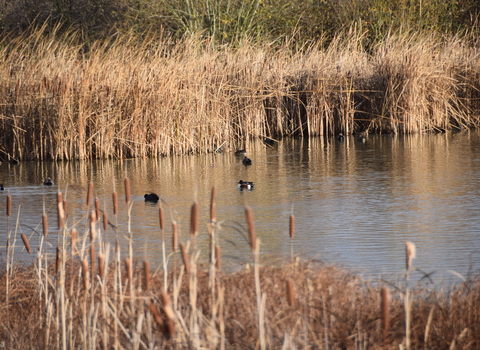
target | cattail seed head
x=156, y=315
x=212, y=205
x=251, y=228
x=101, y=266
x=194, y=219
x=9, y=205
x=127, y=190
x=115, y=203
x=161, y=218
x=60, y=211
x=65, y=208
x=58, y=260
x=93, y=220
x=97, y=208
x=170, y=315
x=128, y=268
x=384, y=307
x=73, y=237
x=85, y=273
x=292, y=226
x=25, y=242
x=218, y=262
x=45, y=225
x=146, y=271
x=89, y=193
x=185, y=258
x=92, y=259
x=174, y=237
x=410, y=254
x=105, y=221
x=290, y=293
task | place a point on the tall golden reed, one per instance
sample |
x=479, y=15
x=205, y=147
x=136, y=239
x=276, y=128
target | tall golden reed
x=73, y=239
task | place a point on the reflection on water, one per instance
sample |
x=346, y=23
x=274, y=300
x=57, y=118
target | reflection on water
x=355, y=203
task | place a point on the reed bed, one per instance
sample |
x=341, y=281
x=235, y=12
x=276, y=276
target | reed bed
x=89, y=294
x=151, y=96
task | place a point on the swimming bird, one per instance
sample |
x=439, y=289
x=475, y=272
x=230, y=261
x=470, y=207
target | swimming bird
x=340, y=137
x=240, y=153
x=247, y=161
x=245, y=184
x=268, y=141
x=151, y=198
x=48, y=182
x=1, y=187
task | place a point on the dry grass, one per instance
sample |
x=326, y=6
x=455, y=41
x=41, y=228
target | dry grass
x=153, y=97
x=63, y=302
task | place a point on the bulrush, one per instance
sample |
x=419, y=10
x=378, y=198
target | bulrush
x=167, y=305
x=213, y=205
x=60, y=211
x=92, y=226
x=185, y=258
x=218, y=262
x=9, y=205
x=292, y=226
x=128, y=268
x=384, y=307
x=161, y=219
x=101, y=266
x=45, y=225
x=251, y=228
x=174, y=237
x=58, y=260
x=115, y=203
x=156, y=316
x=89, y=194
x=127, y=190
x=25, y=242
x=194, y=219
x=73, y=237
x=146, y=272
x=105, y=221
x=97, y=208
x=86, y=279
x=290, y=293
x=92, y=259
x=410, y=254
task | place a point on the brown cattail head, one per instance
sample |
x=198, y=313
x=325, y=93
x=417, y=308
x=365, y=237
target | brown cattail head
x=58, y=260
x=60, y=211
x=115, y=203
x=9, y=205
x=146, y=271
x=251, y=228
x=384, y=307
x=93, y=220
x=90, y=193
x=97, y=208
x=127, y=190
x=292, y=226
x=73, y=237
x=86, y=279
x=101, y=266
x=161, y=219
x=65, y=208
x=25, y=242
x=128, y=268
x=174, y=236
x=194, y=219
x=170, y=315
x=8, y=244
x=156, y=315
x=290, y=293
x=218, y=262
x=185, y=258
x=92, y=259
x=410, y=253
x=45, y=225
x=212, y=205
x=105, y=221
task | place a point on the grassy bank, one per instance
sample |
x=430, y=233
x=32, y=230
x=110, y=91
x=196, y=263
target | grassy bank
x=154, y=97
x=93, y=295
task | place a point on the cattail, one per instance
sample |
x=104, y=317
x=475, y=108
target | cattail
x=146, y=271
x=251, y=228
x=65, y=208
x=58, y=260
x=92, y=259
x=8, y=244
x=156, y=315
x=45, y=225
x=105, y=221
x=212, y=205
x=410, y=253
x=128, y=267
x=218, y=262
x=101, y=266
x=86, y=279
x=92, y=226
x=73, y=237
x=9, y=205
x=89, y=193
x=25, y=242
x=185, y=258
x=115, y=203
x=290, y=293
x=194, y=219
x=292, y=226
x=127, y=190
x=167, y=305
x=384, y=302
x=161, y=219
x=97, y=208
x=60, y=211
x=174, y=237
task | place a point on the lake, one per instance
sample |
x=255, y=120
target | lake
x=355, y=203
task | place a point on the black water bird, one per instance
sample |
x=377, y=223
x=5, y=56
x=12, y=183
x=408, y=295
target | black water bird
x=14, y=160
x=247, y=161
x=240, y=153
x=340, y=137
x=151, y=198
x=48, y=182
x=245, y=185
x=1, y=187
x=268, y=141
